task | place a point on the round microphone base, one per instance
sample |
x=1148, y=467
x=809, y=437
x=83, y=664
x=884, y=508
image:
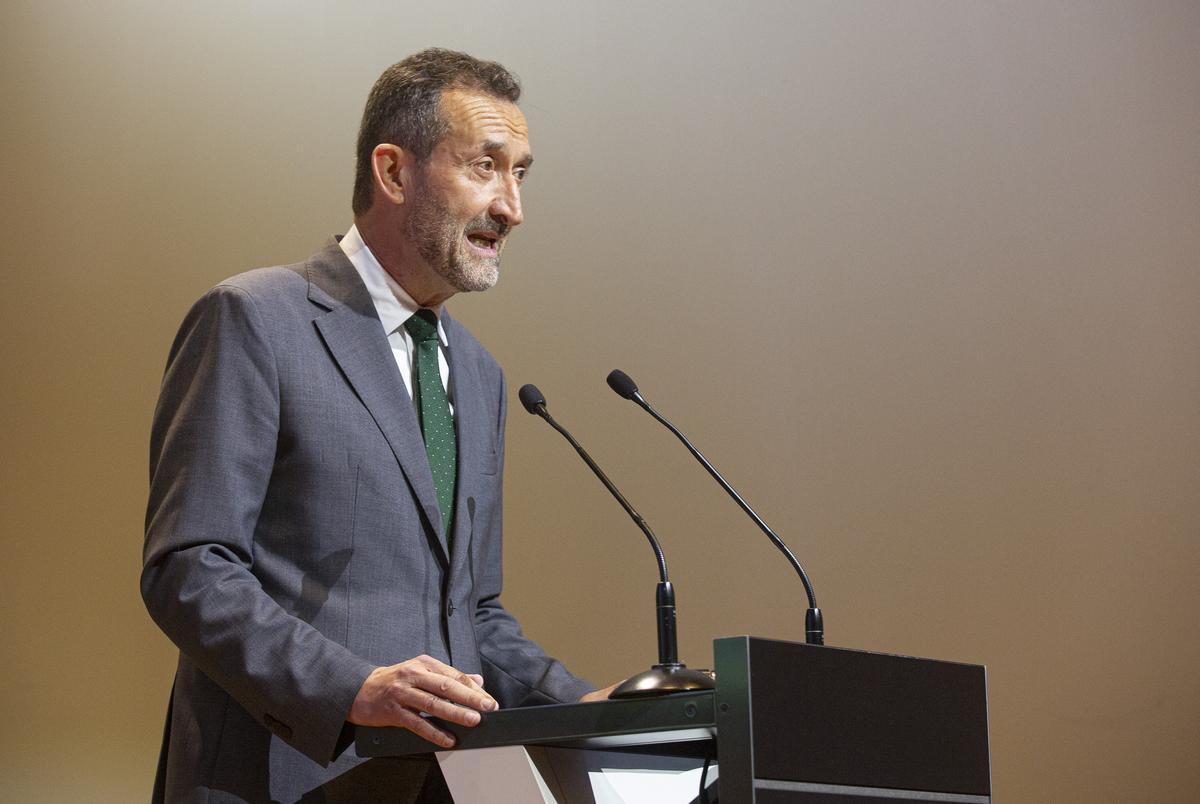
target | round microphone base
x=663, y=679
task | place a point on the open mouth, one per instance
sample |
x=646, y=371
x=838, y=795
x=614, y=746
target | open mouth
x=487, y=243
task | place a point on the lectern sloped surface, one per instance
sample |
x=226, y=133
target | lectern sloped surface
x=789, y=723
x=671, y=721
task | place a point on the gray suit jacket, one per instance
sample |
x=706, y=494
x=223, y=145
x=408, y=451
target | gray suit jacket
x=293, y=534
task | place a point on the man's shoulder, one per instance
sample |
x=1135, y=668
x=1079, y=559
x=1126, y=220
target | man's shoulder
x=266, y=282
x=284, y=283
x=263, y=295
x=265, y=279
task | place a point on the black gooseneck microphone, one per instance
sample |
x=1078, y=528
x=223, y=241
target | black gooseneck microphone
x=669, y=675
x=814, y=625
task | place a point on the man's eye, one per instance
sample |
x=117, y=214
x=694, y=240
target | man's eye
x=520, y=173
x=487, y=165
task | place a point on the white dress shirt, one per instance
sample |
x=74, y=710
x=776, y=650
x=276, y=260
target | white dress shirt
x=394, y=307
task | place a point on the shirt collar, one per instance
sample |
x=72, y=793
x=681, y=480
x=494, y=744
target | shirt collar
x=392, y=302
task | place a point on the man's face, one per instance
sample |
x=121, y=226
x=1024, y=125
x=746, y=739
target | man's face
x=468, y=194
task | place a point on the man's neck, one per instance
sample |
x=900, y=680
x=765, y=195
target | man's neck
x=400, y=260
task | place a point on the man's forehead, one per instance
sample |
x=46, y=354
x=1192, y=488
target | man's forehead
x=474, y=115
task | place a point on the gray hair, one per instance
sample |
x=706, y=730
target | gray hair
x=403, y=107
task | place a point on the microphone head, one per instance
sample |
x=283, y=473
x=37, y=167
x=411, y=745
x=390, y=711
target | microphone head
x=621, y=382
x=531, y=398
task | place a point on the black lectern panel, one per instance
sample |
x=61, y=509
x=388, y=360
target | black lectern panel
x=793, y=724
x=825, y=716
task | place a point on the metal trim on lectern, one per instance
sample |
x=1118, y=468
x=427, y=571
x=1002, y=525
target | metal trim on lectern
x=675, y=719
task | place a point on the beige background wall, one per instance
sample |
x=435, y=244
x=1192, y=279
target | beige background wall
x=921, y=277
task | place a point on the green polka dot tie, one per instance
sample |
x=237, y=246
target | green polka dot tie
x=436, y=423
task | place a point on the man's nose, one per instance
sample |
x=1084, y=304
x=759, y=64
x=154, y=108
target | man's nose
x=506, y=207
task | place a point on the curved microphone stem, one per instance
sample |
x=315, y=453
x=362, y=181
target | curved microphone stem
x=814, y=626
x=670, y=675
x=540, y=410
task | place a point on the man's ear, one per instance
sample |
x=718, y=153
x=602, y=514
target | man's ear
x=389, y=164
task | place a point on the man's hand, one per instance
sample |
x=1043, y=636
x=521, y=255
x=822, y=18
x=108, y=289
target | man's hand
x=395, y=695
x=599, y=695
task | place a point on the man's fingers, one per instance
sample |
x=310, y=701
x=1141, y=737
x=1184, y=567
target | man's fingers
x=476, y=681
x=396, y=695
x=454, y=685
x=444, y=709
x=455, y=695
x=441, y=668
x=437, y=666
x=423, y=728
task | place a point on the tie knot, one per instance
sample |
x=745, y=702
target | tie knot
x=422, y=326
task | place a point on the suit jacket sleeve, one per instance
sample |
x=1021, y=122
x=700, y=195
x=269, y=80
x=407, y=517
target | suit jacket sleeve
x=212, y=450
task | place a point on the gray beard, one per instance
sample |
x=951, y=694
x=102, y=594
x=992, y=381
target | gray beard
x=441, y=244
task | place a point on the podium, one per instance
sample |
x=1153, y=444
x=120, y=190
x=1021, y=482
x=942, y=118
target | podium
x=787, y=722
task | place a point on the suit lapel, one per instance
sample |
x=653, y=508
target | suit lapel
x=355, y=339
x=471, y=423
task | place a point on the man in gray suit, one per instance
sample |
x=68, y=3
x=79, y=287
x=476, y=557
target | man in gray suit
x=324, y=550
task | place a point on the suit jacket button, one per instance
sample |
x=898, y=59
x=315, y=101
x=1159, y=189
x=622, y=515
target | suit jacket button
x=449, y=609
